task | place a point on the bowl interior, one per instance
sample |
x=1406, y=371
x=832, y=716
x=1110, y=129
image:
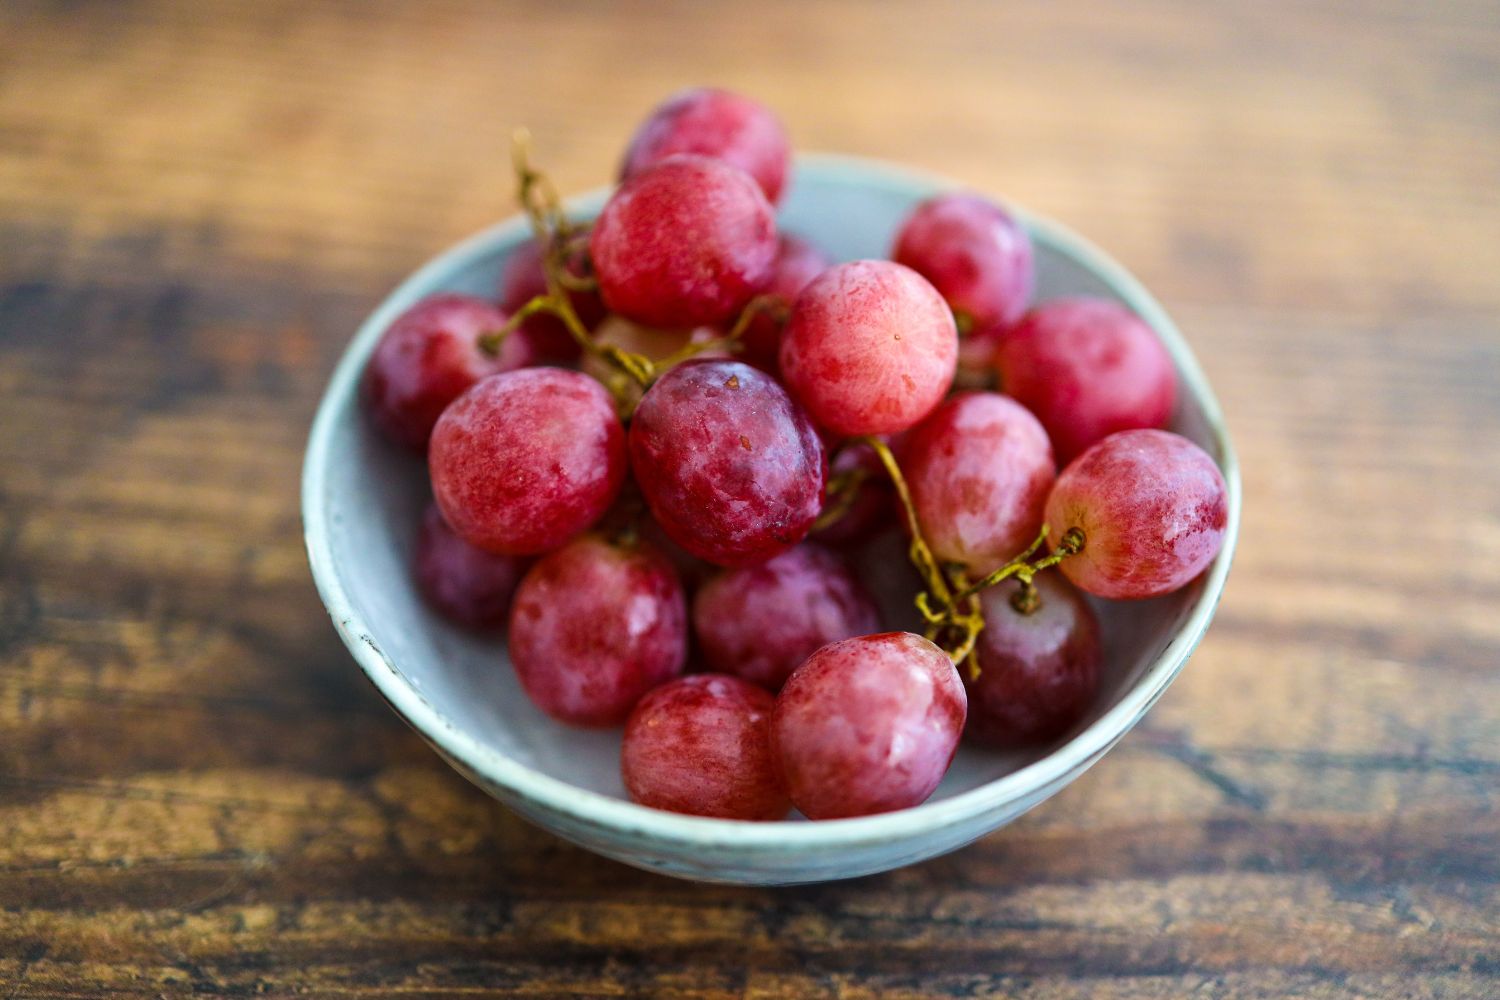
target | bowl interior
x=365, y=499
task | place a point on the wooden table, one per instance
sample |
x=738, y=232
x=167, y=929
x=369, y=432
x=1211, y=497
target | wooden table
x=198, y=202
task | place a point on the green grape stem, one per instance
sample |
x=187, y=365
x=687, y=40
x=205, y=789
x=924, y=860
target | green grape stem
x=949, y=603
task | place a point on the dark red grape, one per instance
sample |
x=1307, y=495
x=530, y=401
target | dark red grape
x=686, y=242
x=873, y=506
x=729, y=465
x=979, y=469
x=975, y=254
x=715, y=123
x=701, y=745
x=468, y=585
x=797, y=264
x=1087, y=368
x=521, y=280
x=1153, y=510
x=524, y=461
x=594, y=626
x=868, y=725
x=427, y=358
x=870, y=349
x=1038, y=672
x=761, y=622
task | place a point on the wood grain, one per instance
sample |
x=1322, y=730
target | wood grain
x=198, y=202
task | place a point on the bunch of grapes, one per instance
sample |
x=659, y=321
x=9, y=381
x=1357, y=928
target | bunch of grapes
x=650, y=453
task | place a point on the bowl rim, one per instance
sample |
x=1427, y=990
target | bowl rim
x=591, y=808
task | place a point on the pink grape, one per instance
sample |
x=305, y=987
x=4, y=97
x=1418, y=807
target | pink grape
x=975, y=254
x=701, y=745
x=868, y=725
x=594, y=626
x=870, y=349
x=1087, y=368
x=797, y=264
x=761, y=622
x=427, y=358
x=976, y=357
x=1038, y=672
x=521, y=280
x=730, y=466
x=686, y=242
x=526, y=460
x=1153, y=510
x=468, y=585
x=715, y=123
x=979, y=470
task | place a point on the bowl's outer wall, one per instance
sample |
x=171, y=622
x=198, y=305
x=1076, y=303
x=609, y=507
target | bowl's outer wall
x=361, y=501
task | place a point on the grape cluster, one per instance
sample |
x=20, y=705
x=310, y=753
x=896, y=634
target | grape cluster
x=651, y=453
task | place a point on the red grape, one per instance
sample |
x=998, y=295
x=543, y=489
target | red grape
x=975, y=254
x=1152, y=508
x=797, y=264
x=868, y=725
x=594, y=626
x=870, y=348
x=761, y=622
x=685, y=242
x=730, y=467
x=1038, y=672
x=524, y=461
x=521, y=280
x=979, y=469
x=701, y=745
x=427, y=358
x=716, y=123
x=1087, y=368
x=468, y=585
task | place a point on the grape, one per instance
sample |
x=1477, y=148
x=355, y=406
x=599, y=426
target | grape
x=873, y=505
x=524, y=461
x=427, y=358
x=1087, y=368
x=468, y=585
x=976, y=357
x=594, y=626
x=797, y=263
x=521, y=280
x=730, y=467
x=715, y=123
x=868, y=725
x=975, y=254
x=870, y=348
x=1152, y=508
x=701, y=745
x=979, y=469
x=1038, y=672
x=686, y=242
x=761, y=622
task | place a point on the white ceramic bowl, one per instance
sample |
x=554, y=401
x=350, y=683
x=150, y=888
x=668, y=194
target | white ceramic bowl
x=361, y=501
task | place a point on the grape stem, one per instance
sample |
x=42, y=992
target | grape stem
x=950, y=604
